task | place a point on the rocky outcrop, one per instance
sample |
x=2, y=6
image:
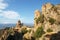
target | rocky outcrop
x=29, y=35
x=51, y=17
x=48, y=18
x=37, y=14
x=18, y=26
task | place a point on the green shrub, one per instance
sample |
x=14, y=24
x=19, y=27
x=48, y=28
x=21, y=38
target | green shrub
x=40, y=19
x=24, y=31
x=11, y=31
x=29, y=30
x=51, y=20
x=39, y=32
x=49, y=30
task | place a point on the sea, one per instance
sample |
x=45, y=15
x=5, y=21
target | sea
x=2, y=26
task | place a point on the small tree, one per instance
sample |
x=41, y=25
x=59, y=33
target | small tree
x=11, y=31
x=39, y=32
x=51, y=20
x=24, y=30
x=40, y=19
x=49, y=30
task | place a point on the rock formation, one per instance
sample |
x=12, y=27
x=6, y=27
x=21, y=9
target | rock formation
x=51, y=17
x=18, y=26
x=37, y=14
x=18, y=23
x=48, y=19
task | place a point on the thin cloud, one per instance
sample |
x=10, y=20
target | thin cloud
x=3, y=5
x=1, y=0
x=8, y=16
x=11, y=15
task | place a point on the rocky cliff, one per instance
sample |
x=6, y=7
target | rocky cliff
x=49, y=17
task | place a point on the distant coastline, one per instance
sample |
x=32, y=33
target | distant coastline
x=2, y=26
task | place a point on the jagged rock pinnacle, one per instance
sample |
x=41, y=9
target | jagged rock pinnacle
x=37, y=13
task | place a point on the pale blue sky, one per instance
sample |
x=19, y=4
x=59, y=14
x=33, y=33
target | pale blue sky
x=13, y=10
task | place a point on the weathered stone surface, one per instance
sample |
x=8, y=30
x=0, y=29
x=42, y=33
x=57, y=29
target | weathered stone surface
x=50, y=11
x=49, y=6
x=37, y=13
x=28, y=35
x=18, y=26
x=18, y=23
x=51, y=18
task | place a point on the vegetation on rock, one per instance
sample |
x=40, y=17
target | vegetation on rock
x=49, y=30
x=40, y=19
x=11, y=31
x=51, y=20
x=39, y=32
x=24, y=30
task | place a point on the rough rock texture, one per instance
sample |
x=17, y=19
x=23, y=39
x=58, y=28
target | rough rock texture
x=29, y=35
x=51, y=18
x=18, y=26
x=37, y=14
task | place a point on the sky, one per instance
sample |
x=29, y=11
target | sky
x=13, y=10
